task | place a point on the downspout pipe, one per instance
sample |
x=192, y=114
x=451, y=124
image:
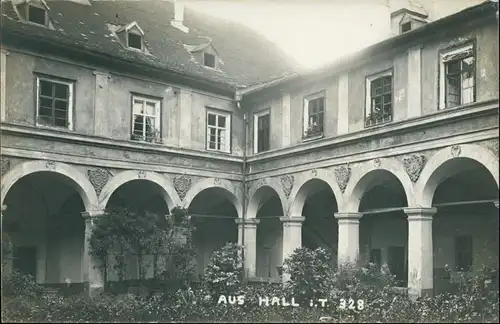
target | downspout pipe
x=244, y=200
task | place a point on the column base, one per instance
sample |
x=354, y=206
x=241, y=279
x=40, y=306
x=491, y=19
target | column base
x=93, y=291
x=414, y=294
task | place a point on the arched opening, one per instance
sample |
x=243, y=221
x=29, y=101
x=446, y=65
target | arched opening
x=47, y=231
x=214, y=216
x=465, y=227
x=269, y=234
x=140, y=196
x=320, y=228
x=383, y=231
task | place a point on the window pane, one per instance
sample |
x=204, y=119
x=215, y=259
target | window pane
x=209, y=60
x=139, y=125
x=45, y=102
x=135, y=41
x=138, y=107
x=45, y=88
x=221, y=121
x=36, y=15
x=453, y=67
x=45, y=111
x=61, y=91
x=150, y=108
x=61, y=105
x=211, y=120
x=321, y=104
x=61, y=122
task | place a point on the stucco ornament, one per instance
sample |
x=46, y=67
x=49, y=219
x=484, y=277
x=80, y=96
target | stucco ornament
x=287, y=184
x=414, y=164
x=51, y=165
x=141, y=174
x=376, y=162
x=492, y=145
x=98, y=178
x=342, y=175
x=314, y=172
x=5, y=165
x=455, y=150
x=182, y=184
x=217, y=181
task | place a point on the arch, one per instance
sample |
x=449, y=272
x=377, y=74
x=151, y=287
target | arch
x=300, y=190
x=77, y=179
x=257, y=194
x=437, y=169
x=363, y=177
x=227, y=187
x=169, y=193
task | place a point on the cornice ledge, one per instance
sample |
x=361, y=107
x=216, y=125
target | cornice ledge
x=478, y=108
x=123, y=144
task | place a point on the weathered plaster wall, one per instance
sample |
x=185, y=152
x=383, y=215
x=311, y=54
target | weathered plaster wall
x=102, y=105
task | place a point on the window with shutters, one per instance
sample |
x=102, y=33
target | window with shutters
x=146, y=119
x=218, y=131
x=457, y=77
x=314, y=115
x=262, y=128
x=463, y=253
x=54, y=104
x=379, y=98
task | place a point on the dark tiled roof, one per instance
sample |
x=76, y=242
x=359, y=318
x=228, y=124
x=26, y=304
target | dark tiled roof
x=248, y=57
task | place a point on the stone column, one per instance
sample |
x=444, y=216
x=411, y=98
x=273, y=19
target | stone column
x=348, y=236
x=93, y=274
x=420, y=251
x=292, y=237
x=250, y=244
x=4, y=208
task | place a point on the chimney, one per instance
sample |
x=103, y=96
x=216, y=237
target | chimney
x=178, y=21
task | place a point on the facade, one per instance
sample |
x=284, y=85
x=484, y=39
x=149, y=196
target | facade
x=389, y=155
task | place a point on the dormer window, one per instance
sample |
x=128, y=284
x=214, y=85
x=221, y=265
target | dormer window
x=37, y=15
x=134, y=40
x=209, y=60
x=33, y=12
x=131, y=36
x=405, y=27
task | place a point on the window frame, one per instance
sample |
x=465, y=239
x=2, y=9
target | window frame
x=256, y=117
x=71, y=100
x=136, y=34
x=402, y=31
x=158, y=117
x=368, y=97
x=443, y=61
x=204, y=60
x=305, y=115
x=227, y=128
x=38, y=6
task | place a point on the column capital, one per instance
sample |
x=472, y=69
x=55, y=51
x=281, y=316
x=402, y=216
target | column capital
x=4, y=207
x=348, y=216
x=247, y=221
x=495, y=202
x=93, y=214
x=420, y=213
x=292, y=220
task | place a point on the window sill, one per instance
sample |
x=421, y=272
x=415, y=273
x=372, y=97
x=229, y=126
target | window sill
x=61, y=128
x=372, y=123
x=457, y=106
x=143, y=140
x=312, y=137
x=217, y=151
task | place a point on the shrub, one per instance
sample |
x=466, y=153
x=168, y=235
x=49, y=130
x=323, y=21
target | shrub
x=224, y=273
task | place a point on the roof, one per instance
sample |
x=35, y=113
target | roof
x=249, y=58
x=484, y=10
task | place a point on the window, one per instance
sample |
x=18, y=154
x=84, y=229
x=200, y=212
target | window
x=54, y=103
x=463, y=253
x=314, y=113
x=146, y=119
x=37, y=15
x=218, y=131
x=378, y=99
x=376, y=257
x=209, y=60
x=457, y=82
x=405, y=27
x=262, y=128
x=134, y=40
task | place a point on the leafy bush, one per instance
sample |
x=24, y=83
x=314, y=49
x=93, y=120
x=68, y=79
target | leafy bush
x=224, y=273
x=17, y=284
x=311, y=274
